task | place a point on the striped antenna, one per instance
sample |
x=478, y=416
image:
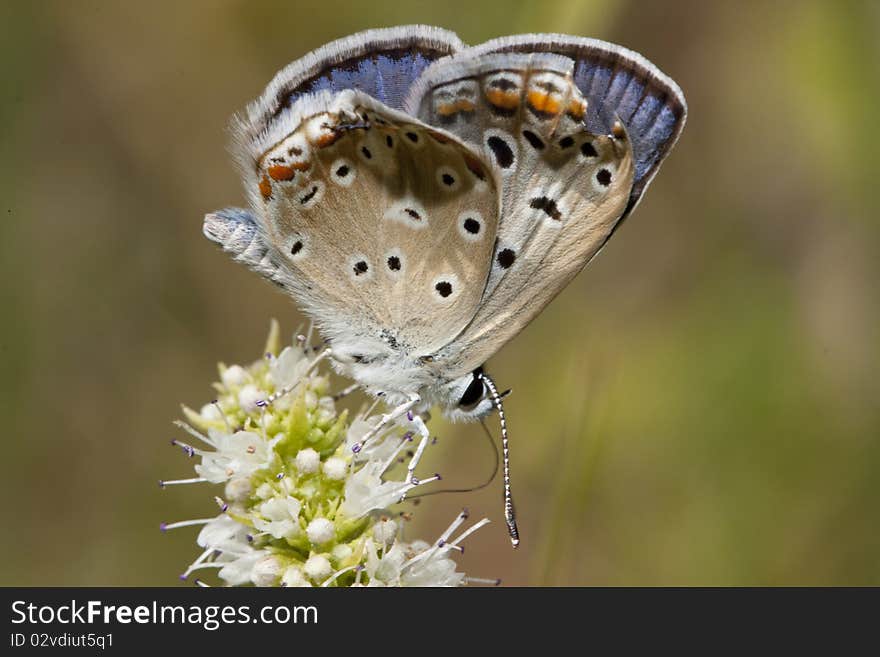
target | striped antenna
x=509, y=511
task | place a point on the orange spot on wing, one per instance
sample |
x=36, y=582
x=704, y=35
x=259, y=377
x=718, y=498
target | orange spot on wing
x=459, y=105
x=446, y=109
x=504, y=99
x=265, y=188
x=543, y=102
x=327, y=138
x=281, y=172
x=577, y=108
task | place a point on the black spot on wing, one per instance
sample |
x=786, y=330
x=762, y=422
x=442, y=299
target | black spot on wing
x=503, y=83
x=534, y=140
x=506, y=257
x=548, y=205
x=588, y=150
x=502, y=152
x=308, y=197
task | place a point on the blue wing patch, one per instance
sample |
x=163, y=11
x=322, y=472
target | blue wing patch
x=382, y=63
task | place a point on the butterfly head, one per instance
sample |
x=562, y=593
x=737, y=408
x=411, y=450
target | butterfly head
x=467, y=398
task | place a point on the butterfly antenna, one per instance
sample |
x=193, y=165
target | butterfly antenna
x=509, y=511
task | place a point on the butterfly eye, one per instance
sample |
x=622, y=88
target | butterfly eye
x=474, y=392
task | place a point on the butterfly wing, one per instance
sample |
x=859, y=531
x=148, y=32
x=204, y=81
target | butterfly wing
x=379, y=225
x=569, y=168
x=618, y=84
x=382, y=63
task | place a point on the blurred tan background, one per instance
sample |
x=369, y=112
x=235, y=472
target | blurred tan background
x=699, y=407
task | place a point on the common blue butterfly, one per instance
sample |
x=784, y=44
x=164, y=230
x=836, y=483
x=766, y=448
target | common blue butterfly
x=423, y=200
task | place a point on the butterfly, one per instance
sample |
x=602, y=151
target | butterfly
x=423, y=200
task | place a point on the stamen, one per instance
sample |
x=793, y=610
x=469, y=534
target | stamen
x=195, y=564
x=223, y=415
x=441, y=542
x=263, y=421
x=193, y=432
x=384, y=421
x=286, y=390
x=202, y=566
x=165, y=526
x=345, y=392
x=189, y=450
x=403, y=441
x=471, y=530
x=333, y=577
x=372, y=407
x=176, y=482
x=460, y=518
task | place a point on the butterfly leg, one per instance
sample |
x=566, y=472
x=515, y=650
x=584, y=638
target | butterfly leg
x=386, y=419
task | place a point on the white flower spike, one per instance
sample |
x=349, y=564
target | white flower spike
x=300, y=507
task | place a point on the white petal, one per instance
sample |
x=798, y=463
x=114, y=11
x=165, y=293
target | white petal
x=235, y=375
x=308, y=461
x=318, y=568
x=320, y=531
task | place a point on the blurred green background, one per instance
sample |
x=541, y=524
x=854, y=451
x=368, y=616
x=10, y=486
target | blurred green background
x=699, y=407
